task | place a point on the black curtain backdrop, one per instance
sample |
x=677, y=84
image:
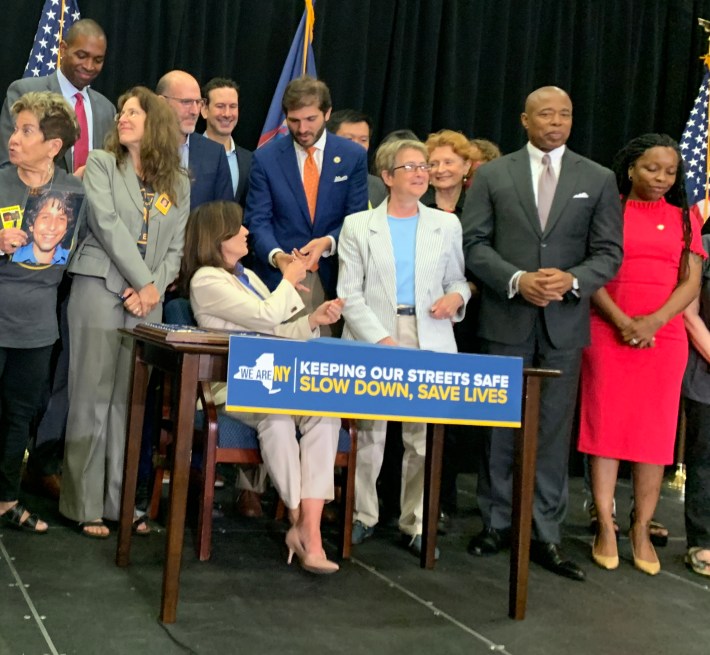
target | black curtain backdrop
x=630, y=66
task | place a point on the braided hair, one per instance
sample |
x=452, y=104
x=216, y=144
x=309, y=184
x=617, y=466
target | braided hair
x=676, y=195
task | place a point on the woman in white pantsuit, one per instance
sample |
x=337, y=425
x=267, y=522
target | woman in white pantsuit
x=225, y=295
x=402, y=278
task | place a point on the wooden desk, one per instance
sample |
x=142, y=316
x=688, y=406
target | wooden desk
x=523, y=489
x=190, y=364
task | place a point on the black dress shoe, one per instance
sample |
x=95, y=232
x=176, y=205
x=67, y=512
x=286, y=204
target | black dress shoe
x=550, y=557
x=489, y=541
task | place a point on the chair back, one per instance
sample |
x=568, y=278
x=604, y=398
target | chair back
x=179, y=312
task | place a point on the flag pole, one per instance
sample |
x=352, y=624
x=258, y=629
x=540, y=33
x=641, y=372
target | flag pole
x=308, y=36
x=61, y=34
x=705, y=24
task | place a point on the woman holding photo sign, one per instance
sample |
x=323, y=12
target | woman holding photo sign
x=45, y=127
x=402, y=277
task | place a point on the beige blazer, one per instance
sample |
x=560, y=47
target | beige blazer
x=220, y=301
x=115, y=219
x=368, y=282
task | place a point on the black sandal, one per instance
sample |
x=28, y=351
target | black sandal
x=98, y=523
x=13, y=518
x=138, y=523
x=658, y=533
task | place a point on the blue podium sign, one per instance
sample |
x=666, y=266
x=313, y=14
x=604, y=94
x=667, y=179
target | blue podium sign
x=331, y=377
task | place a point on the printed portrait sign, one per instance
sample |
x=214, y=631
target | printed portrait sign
x=49, y=220
x=11, y=217
x=330, y=377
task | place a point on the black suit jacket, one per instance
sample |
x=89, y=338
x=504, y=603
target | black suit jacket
x=210, y=178
x=244, y=165
x=502, y=234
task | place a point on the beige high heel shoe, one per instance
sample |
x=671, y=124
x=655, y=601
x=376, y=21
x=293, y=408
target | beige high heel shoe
x=318, y=564
x=294, y=545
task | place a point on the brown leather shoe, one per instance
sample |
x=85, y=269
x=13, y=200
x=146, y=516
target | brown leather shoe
x=42, y=485
x=248, y=504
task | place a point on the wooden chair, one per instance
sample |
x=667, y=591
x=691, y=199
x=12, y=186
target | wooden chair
x=224, y=439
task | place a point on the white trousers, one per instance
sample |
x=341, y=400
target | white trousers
x=298, y=469
x=370, y=452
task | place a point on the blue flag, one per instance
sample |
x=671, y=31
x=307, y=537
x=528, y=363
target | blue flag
x=300, y=61
x=57, y=17
x=694, y=145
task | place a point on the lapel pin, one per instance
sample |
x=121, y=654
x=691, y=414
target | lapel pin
x=336, y=159
x=163, y=204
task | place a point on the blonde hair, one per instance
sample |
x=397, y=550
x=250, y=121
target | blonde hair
x=455, y=140
x=387, y=153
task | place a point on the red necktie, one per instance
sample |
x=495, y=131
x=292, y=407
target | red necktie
x=310, y=181
x=81, y=147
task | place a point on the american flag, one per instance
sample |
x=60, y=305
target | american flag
x=694, y=144
x=57, y=17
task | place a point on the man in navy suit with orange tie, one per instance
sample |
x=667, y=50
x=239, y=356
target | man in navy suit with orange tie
x=301, y=189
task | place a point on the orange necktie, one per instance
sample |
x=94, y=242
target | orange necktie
x=310, y=181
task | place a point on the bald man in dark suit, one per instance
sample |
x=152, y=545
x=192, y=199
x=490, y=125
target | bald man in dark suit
x=542, y=231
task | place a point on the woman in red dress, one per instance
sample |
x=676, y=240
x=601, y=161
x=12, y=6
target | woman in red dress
x=632, y=372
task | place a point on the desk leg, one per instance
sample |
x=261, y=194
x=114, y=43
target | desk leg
x=432, y=489
x=179, y=477
x=523, y=489
x=134, y=435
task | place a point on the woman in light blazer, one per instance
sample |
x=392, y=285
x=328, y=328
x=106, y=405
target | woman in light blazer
x=402, y=279
x=225, y=295
x=139, y=199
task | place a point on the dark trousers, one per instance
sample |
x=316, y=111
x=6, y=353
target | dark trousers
x=557, y=403
x=47, y=447
x=23, y=376
x=697, y=481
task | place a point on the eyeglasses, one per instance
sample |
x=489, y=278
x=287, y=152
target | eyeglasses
x=187, y=102
x=131, y=113
x=424, y=168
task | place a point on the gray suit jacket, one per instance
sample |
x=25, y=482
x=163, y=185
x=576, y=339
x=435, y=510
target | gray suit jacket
x=368, y=282
x=102, y=110
x=502, y=234
x=115, y=219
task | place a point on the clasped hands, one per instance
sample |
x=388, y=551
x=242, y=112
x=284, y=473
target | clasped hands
x=141, y=303
x=545, y=285
x=640, y=331
x=310, y=254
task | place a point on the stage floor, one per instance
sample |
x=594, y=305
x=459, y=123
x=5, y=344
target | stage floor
x=63, y=594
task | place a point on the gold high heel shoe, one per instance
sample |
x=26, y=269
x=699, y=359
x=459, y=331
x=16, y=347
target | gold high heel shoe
x=608, y=562
x=649, y=568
